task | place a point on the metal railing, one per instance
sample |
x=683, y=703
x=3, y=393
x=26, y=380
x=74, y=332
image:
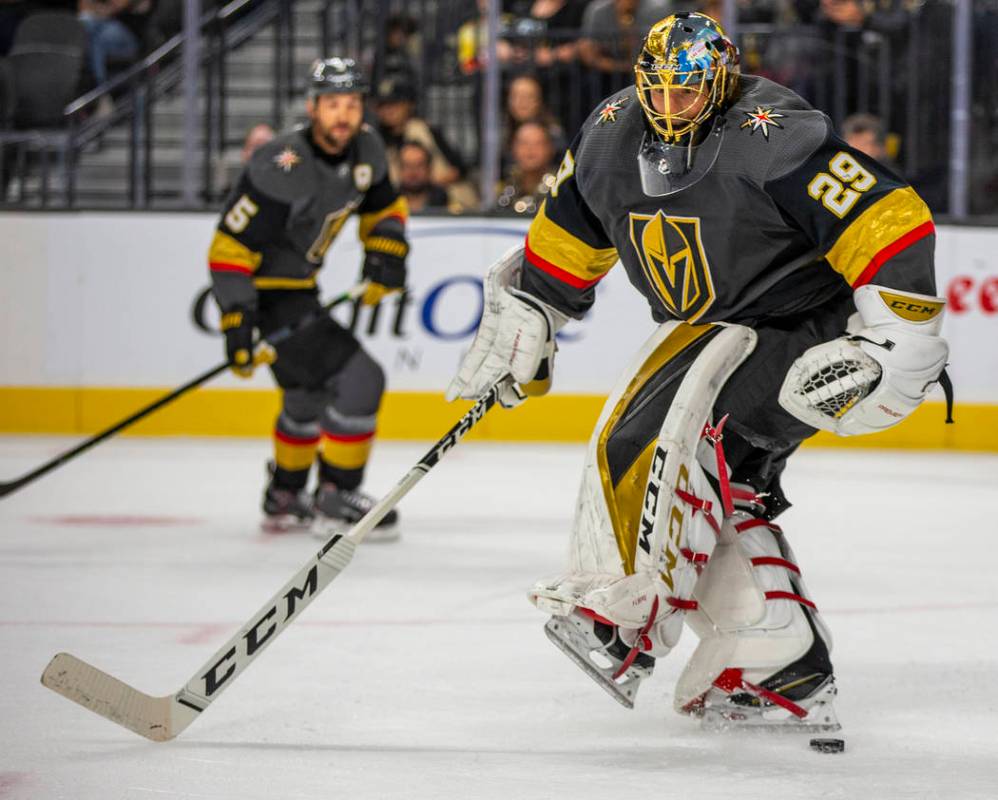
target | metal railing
x=841, y=71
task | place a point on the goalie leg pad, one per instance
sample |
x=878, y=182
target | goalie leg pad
x=763, y=656
x=643, y=487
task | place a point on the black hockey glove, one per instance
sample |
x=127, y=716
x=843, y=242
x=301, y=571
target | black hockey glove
x=384, y=267
x=237, y=325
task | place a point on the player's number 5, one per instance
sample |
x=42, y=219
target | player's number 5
x=239, y=215
x=839, y=191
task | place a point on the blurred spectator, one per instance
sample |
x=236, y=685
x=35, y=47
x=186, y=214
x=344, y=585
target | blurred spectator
x=611, y=35
x=110, y=39
x=400, y=46
x=395, y=107
x=414, y=178
x=525, y=102
x=558, y=25
x=612, y=32
x=532, y=173
x=227, y=169
x=165, y=20
x=11, y=14
x=866, y=133
x=257, y=136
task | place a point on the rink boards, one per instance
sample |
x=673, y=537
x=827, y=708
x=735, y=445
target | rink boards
x=95, y=321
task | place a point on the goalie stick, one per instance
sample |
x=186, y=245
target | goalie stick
x=276, y=337
x=163, y=718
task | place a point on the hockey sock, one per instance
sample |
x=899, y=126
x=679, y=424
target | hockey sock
x=343, y=456
x=293, y=455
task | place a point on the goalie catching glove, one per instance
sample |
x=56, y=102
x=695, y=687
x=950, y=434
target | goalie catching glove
x=237, y=325
x=874, y=377
x=516, y=337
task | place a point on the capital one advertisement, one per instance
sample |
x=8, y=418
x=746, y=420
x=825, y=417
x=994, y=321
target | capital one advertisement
x=105, y=300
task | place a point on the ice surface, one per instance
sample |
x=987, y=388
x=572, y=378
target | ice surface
x=422, y=672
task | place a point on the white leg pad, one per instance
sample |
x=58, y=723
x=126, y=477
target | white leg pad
x=738, y=626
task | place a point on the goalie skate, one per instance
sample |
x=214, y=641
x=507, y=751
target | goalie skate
x=756, y=708
x=599, y=651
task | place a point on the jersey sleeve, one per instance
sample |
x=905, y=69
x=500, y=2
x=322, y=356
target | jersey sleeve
x=567, y=251
x=868, y=223
x=250, y=219
x=383, y=214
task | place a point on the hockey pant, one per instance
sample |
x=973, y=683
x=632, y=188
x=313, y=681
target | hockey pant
x=332, y=390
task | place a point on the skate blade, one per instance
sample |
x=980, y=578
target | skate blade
x=623, y=690
x=821, y=717
x=717, y=721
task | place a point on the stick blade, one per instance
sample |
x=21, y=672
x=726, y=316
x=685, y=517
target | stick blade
x=105, y=695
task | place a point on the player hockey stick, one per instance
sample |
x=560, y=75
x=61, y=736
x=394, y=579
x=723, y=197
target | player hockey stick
x=275, y=338
x=163, y=718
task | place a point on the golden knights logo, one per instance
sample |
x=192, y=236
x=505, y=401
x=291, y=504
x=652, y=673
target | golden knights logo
x=673, y=260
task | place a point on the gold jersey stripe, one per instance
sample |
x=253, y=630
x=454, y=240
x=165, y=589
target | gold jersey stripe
x=876, y=229
x=400, y=209
x=284, y=283
x=624, y=502
x=557, y=246
x=226, y=250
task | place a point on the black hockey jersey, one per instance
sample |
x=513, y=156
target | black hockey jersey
x=785, y=217
x=287, y=208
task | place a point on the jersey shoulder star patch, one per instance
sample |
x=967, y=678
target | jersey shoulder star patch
x=609, y=112
x=761, y=119
x=287, y=159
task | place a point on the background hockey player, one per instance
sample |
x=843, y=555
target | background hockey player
x=733, y=205
x=290, y=203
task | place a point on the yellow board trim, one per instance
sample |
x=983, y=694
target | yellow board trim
x=420, y=416
x=887, y=220
x=554, y=244
x=226, y=250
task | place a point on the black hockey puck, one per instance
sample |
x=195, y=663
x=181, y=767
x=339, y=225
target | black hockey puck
x=828, y=745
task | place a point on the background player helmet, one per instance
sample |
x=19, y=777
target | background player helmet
x=688, y=51
x=335, y=76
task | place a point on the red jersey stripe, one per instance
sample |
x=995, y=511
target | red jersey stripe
x=218, y=266
x=895, y=247
x=556, y=271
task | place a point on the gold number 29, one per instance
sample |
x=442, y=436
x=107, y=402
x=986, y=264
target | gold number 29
x=839, y=191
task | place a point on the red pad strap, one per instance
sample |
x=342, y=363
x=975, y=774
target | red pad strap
x=683, y=605
x=772, y=561
x=699, y=504
x=588, y=612
x=731, y=681
x=641, y=642
x=791, y=596
x=715, y=436
x=748, y=524
x=694, y=558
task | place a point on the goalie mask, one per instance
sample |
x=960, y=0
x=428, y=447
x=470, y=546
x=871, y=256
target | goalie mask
x=685, y=74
